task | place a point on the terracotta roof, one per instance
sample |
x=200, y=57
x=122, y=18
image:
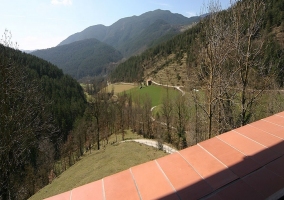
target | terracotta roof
x=246, y=163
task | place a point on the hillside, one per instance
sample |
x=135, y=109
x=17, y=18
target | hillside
x=169, y=62
x=99, y=164
x=129, y=29
x=166, y=63
x=79, y=59
x=220, y=61
x=39, y=105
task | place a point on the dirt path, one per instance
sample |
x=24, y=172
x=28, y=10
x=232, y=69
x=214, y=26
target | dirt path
x=171, y=86
x=154, y=144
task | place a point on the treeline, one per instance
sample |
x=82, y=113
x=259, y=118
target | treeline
x=108, y=115
x=39, y=105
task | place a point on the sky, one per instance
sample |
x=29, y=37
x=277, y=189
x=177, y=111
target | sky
x=41, y=24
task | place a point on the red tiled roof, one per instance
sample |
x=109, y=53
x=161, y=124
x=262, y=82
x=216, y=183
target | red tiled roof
x=246, y=163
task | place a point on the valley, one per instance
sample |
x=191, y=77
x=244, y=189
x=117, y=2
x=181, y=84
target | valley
x=158, y=76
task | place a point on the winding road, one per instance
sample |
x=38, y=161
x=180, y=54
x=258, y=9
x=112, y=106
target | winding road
x=171, y=86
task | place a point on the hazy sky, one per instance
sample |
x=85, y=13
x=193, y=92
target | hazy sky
x=39, y=24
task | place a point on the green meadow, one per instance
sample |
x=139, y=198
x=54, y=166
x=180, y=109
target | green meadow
x=156, y=93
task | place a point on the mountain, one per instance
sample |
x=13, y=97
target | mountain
x=128, y=29
x=158, y=32
x=95, y=49
x=79, y=59
x=178, y=55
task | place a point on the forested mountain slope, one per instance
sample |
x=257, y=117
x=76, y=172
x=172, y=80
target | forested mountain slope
x=39, y=105
x=154, y=60
x=83, y=58
x=129, y=29
x=181, y=51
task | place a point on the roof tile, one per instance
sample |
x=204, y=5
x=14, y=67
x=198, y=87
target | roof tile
x=215, y=172
x=212, y=197
x=265, y=182
x=151, y=182
x=183, y=177
x=277, y=166
x=269, y=128
x=237, y=162
x=280, y=114
x=92, y=190
x=62, y=196
x=239, y=190
x=263, y=138
x=254, y=150
x=117, y=185
x=275, y=119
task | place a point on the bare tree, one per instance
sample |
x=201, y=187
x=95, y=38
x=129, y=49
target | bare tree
x=181, y=119
x=121, y=112
x=230, y=58
x=98, y=110
x=212, y=56
x=248, y=47
x=166, y=114
x=129, y=110
x=146, y=116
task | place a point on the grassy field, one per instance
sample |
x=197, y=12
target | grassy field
x=118, y=88
x=156, y=93
x=98, y=164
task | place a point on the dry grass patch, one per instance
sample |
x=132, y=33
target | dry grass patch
x=118, y=88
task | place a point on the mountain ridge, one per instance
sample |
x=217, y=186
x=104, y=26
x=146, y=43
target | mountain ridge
x=124, y=38
x=128, y=28
x=176, y=54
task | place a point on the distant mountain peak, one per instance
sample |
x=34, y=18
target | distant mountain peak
x=130, y=28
